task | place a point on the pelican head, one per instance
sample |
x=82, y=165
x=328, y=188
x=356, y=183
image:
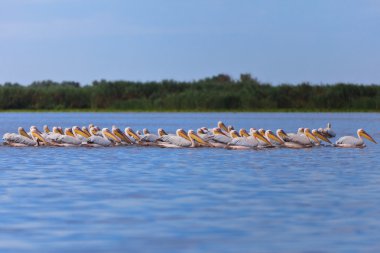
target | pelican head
x=311, y=136
x=320, y=135
x=230, y=128
x=90, y=125
x=35, y=128
x=93, y=131
x=205, y=129
x=258, y=136
x=36, y=135
x=191, y=134
x=56, y=130
x=362, y=133
x=146, y=131
x=161, y=132
x=222, y=126
x=110, y=136
x=234, y=134
x=60, y=130
x=119, y=134
x=200, y=131
x=21, y=131
x=85, y=130
x=262, y=131
x=217, y=131
x=77, y=131
x=243, y=133
x=130, y=132
x=301, y=130
x=69, y=132
x=139, y=133
x=271, y=136
x=181, y=133
x=46, y=129
x=281, y=133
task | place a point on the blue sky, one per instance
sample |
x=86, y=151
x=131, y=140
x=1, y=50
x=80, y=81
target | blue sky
x=276, y=41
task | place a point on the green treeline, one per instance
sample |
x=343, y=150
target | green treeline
x=218, y=93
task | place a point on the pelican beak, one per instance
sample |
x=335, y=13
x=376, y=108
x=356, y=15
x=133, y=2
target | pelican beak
x=274, y=137
x=234, y=134
x=367, y=136
x=70, y=133
x=218, y=131
x=130, y=132
x=198, y=139
x=282, y=134
x=222, y=126
x=320, y=136
x=121, y=135
x=84, y=129
x=23, y=133
x=161, y=132
x=81, y=133
x=243, y=133
x=60, y=130
x=111, y=136
x=183, y=134
x=262, y=138
x=312, y=136
x=38, y=136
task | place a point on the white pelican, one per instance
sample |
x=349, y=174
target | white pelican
x=328, y=132
x=148, y=137
x=353, y=142
x=23, y=139
x=131, y=133
x=220, y=136
x=304, y=140
x=205, y=135
x=247, y=142
x=274, y=139
x=320, y=136
x=46, y=129
x=122, y=136
x=222, y=127
x=107, y=139
x=191, y=139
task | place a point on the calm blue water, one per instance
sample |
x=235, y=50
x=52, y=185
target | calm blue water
x=131, y=199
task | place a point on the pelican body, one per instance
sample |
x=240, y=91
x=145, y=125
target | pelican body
x=353, y=142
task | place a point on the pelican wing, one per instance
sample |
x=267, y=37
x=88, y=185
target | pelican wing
x=206, y=137
x=99, y=141
x=221, y=138
x=68, y=140
x=243, y=141
x=299, y=139
x=19, y=139
x=350, y=141
x=149, y=138
x=328, y=131
x=176, y=140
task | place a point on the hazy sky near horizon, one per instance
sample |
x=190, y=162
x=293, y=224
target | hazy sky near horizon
x=277, y=41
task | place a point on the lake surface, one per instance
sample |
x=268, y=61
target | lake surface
x=133, y=199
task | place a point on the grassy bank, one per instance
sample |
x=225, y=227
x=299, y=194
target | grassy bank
x=219, y=93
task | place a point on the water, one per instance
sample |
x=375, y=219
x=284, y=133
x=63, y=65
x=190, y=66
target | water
x=131, y=199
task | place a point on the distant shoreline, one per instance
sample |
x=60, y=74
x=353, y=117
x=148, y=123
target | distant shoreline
x=183, y=111
x=219, y=93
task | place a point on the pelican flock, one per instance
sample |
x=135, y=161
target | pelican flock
x=220, y=136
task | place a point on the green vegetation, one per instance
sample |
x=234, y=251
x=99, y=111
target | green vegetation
x=218, y=93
